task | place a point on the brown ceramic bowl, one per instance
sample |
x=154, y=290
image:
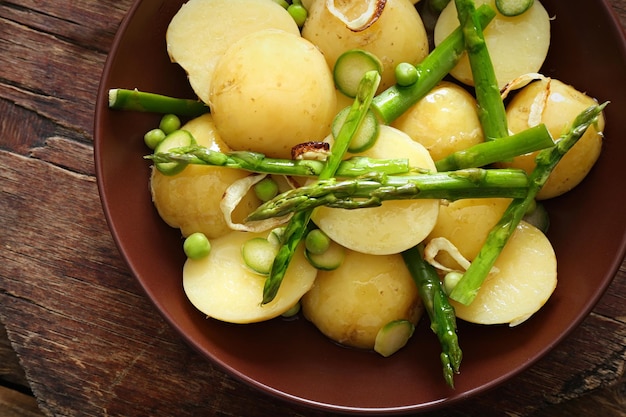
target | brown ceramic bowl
x=290, y=359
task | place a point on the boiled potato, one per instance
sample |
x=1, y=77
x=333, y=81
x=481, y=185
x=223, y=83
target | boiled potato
x=517, y=45
x=397, y=36
x=202, y=30
x=350, y=304
x=395, y=225
x=444, y=121
x=224, y=288
x=526, y=277
x=270, y=91
x=466, y=224
x=556, y=104
x=190, y=200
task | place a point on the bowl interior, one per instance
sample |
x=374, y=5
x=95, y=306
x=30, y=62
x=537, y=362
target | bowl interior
x=290, y=358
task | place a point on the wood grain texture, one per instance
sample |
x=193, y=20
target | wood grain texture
x=89, y=341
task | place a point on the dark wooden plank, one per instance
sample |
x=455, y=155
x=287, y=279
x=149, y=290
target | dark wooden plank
x=16, y=404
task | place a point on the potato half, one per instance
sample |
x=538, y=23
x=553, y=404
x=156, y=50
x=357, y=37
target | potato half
x=202, y=30
x=517, y=45
x=224, y=288
x=395, y=225
x=526, y=278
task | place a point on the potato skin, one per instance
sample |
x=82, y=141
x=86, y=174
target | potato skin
x=397, y=36
x=444, y=121
x=272, y=90
x=190, y=200
x=350, y=304
x=562, y=106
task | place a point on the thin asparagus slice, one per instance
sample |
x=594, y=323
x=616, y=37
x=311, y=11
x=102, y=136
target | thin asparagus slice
x=529, y=140
x=257, y=162
x=394, y=101
x=135, y=100
x=372, y=190
x=440, y=312
x=469, y=285
x=297, y=226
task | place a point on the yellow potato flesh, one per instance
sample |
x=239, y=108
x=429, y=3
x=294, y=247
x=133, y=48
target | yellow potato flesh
x=517, y=45
x=562, y=105
x=224, y=288
x=271, y=91
x=444, y=121
x=190, y=200
x=394, y=226
x=350, y=304
x=526, y=278
x=397, y=36
x=202, y=30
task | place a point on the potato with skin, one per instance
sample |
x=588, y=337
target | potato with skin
x=525, y=279
x=397, y=36
x=395, y=225
x=517, y=45
x=202, y=30
x=352, y=303
x=190, y=200
x=466, y=223
x=556, y=104
x=271, y=91
x=444, y=121
x=224, y=288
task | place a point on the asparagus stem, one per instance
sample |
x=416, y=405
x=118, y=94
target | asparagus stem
x=491, y=111
x=528, y=140
x=394, y=101
x=135, y=100
x=467, y=288
x=438, y=5
x=373, y=190
x=440, y=312
x=257, y=162
x=298, y=224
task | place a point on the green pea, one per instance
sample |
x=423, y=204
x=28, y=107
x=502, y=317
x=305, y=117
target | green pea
x=450, y=280
x=197, y=246
x=406, y=74
x=153, y=137
x=169, y=123
x=317, y=242
x=266, y=189
x=298, y=13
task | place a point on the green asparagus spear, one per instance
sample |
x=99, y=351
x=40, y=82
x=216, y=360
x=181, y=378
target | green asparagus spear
x=440, y=312
x=257, y=162
x=491, y=111
x=394, y=101
x=372, y=190
x=528, y=140
x=468, y=286
x=298, y=224
x=135, y=100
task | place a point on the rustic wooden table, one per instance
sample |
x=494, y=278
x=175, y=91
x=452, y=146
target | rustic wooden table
x=88, y=340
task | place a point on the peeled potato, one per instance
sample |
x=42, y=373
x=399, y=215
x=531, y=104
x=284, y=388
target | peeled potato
x=397, y=36
x=350, y=304
x=202, y=30
x=556, y=104
x=444, y=121
x=271, y=91
x=224, y=288
x=190, y=200
x=517, y=45
x=526, y=278
x=395, y=225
